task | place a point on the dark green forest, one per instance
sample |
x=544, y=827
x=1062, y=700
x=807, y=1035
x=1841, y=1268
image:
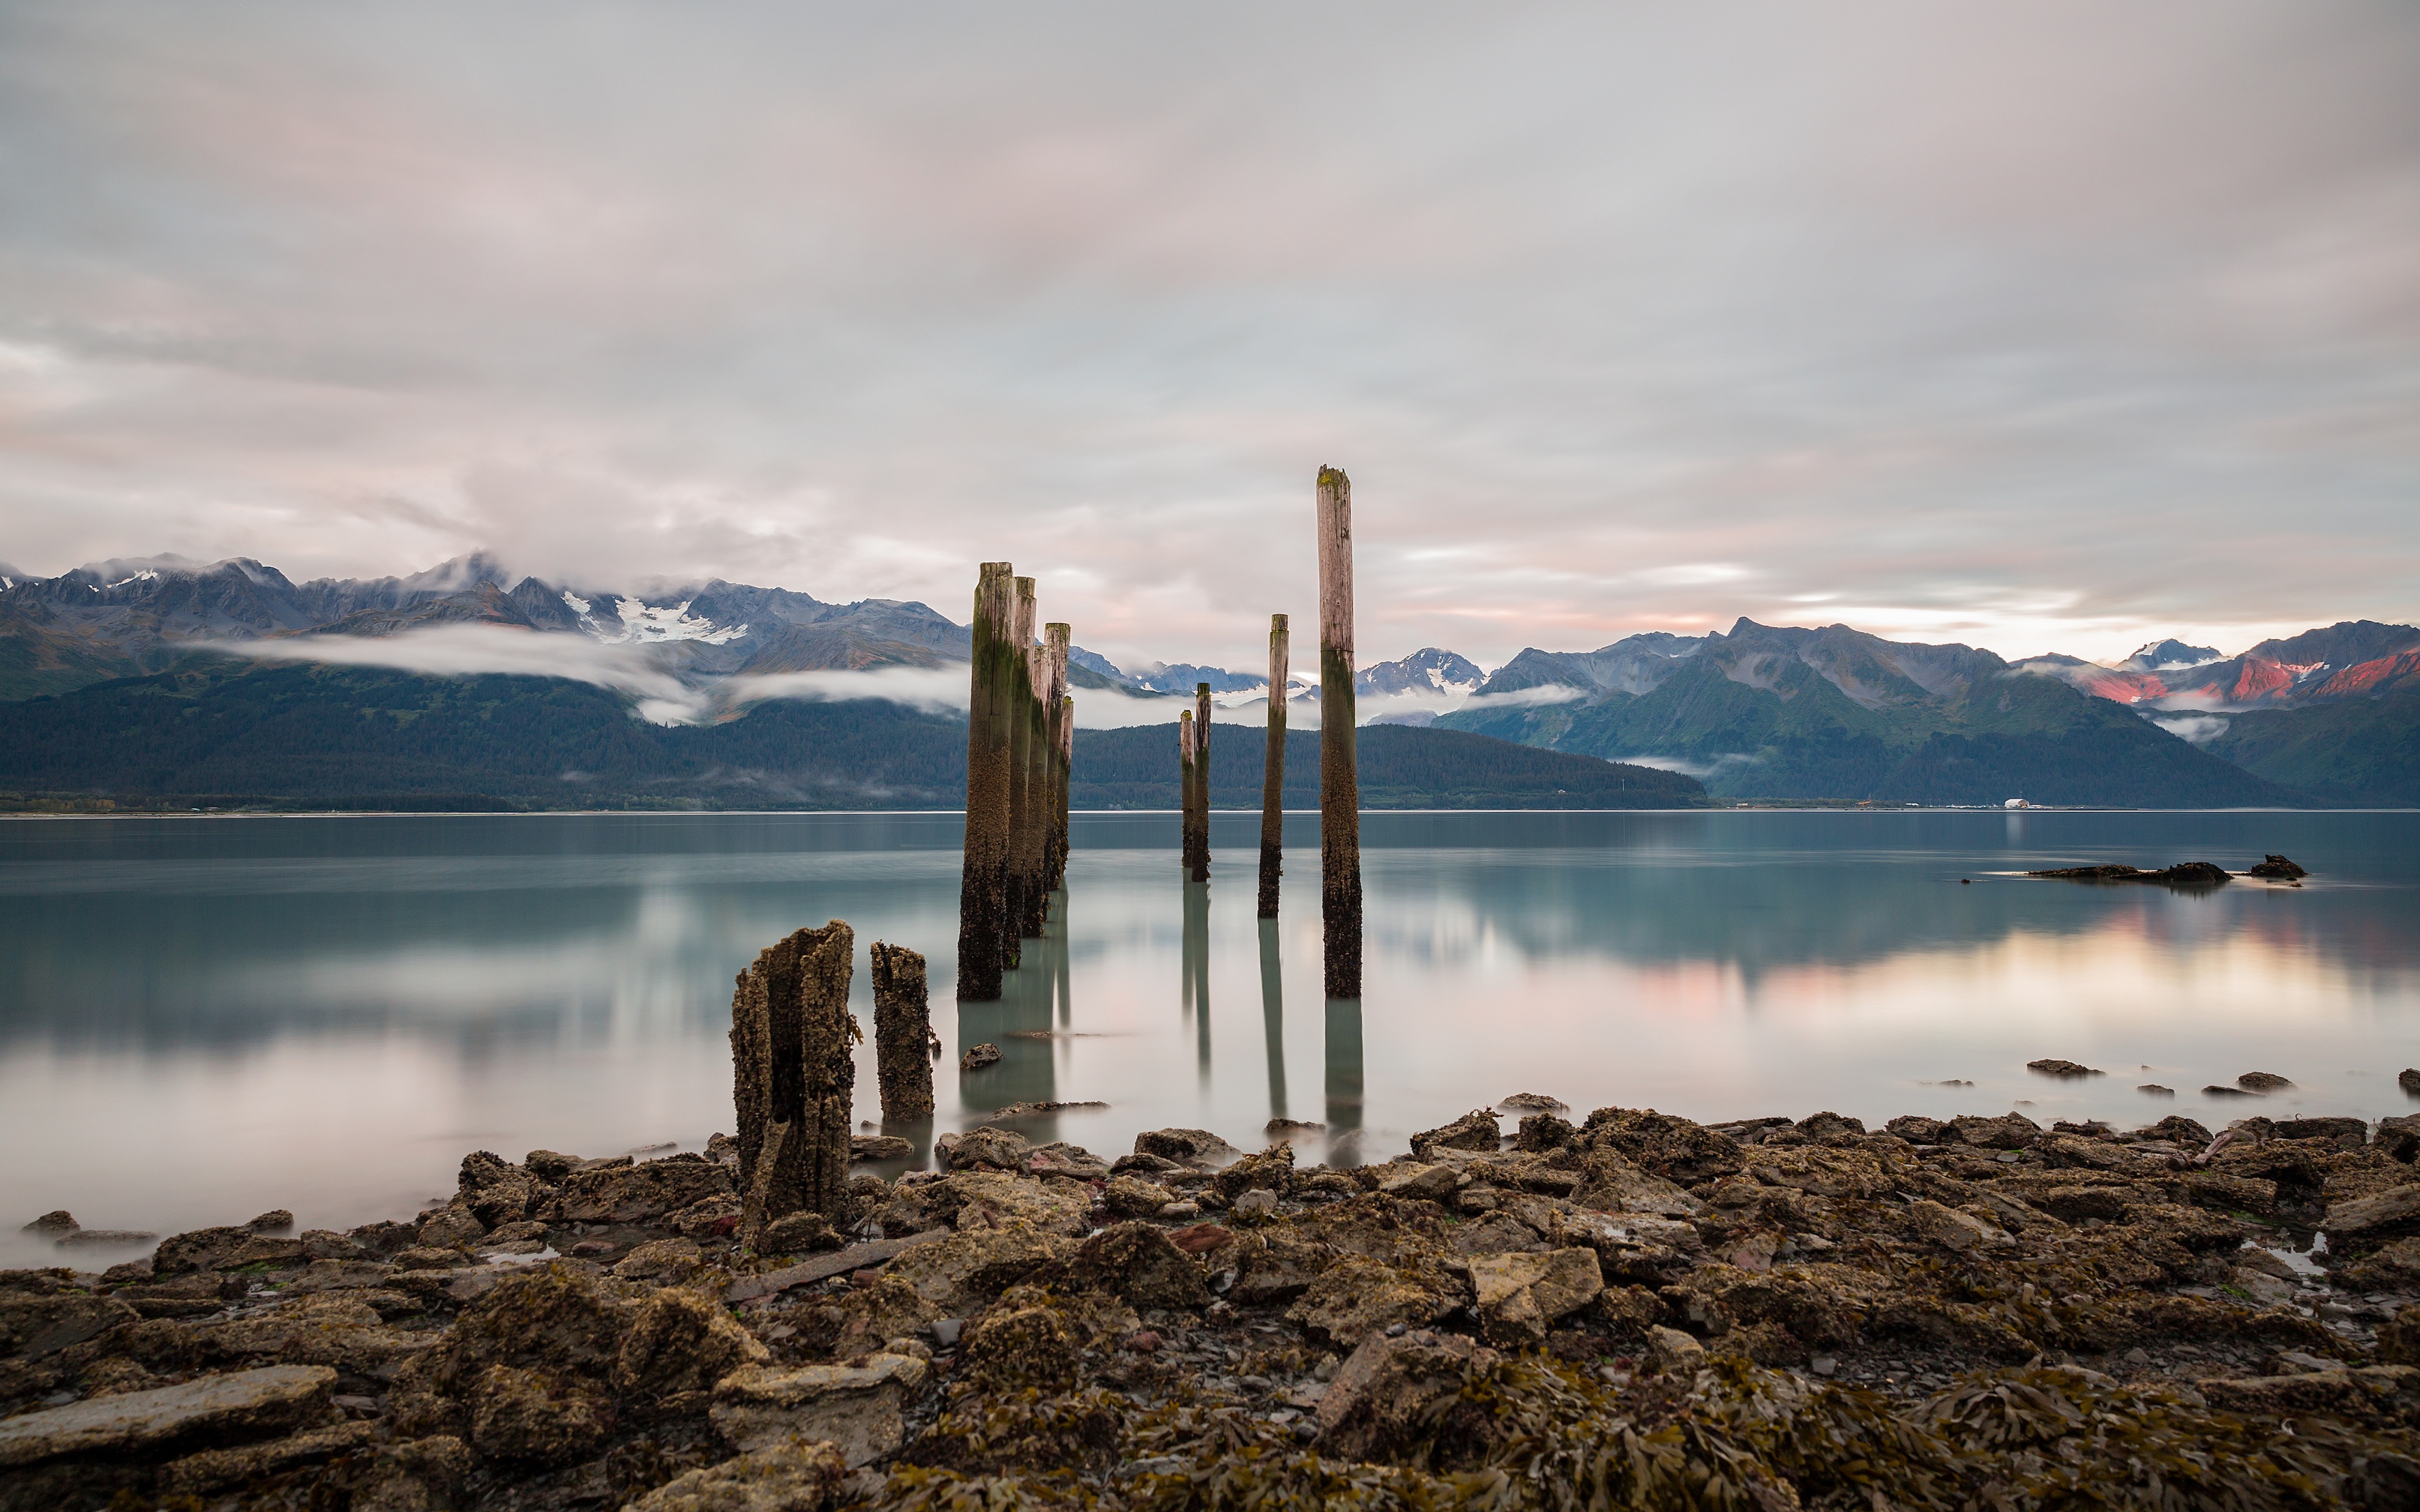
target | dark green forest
x=211, y=734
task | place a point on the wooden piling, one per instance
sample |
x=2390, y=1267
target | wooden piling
x=1273, y=772
x=1185, y=766
x=1021, y=779
x=983, y=888
x=792, y=1076
x=1058, y=710
x=902, y=1033
x=1340, y=791
x=1067, y=780
x=1200, y=782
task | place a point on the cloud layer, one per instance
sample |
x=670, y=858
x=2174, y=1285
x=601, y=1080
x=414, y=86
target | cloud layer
x=2040, y=326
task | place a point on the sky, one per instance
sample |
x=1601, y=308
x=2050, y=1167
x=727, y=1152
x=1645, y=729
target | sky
x=2036, y=326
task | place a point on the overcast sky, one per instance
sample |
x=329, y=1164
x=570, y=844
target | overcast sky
x=2036, y=326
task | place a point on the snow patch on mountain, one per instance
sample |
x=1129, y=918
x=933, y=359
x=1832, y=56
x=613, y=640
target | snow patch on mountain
x=644, y=624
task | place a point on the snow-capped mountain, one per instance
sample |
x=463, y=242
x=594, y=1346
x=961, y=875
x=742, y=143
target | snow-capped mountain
x=128, y=617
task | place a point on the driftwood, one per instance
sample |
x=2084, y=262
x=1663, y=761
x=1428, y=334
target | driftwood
x=1339, y=789
x=902, y=1033
x=792, y=1076
x=1273, y=772
x=983, y=890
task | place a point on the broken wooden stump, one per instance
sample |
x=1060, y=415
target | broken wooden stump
x=983, y=902
x=902, y=1033
x=793, y=1075
x=1340, y=788
x=1273, y=772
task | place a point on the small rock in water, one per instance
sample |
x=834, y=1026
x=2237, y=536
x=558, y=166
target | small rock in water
x=2409, y=1079
x=2262, y=1081
x=1286, y=1126
x=275, y=1221
x=1534, y=1103
x=978, y=1056
x=2062, y=1069
x=2216, y=1091
x=63, y=1221
x=2277, y=866
x=2156, y=1090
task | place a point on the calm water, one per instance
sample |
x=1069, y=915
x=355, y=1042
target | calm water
x=203, y=1019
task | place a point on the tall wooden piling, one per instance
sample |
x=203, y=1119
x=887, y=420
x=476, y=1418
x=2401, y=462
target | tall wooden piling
x=1021, y=779
x=792, y=1076
x=1185, y=762
x=902, y=1033
x=1273, y=772
x=1340, y=788
x=1067, y=780
x=1058, y=710
x=983, y=888
x=1200, y=782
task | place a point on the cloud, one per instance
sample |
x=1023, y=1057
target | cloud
x=489, y=650
x=2039, y=326
x=2200, y=729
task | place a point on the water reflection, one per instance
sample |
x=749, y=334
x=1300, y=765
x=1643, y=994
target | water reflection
x=1273, y=1017
x=200, y=1020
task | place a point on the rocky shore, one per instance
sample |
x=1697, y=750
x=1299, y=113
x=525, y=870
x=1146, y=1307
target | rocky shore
x=1631, y=1310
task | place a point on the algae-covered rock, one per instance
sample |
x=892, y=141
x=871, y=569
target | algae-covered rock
x=796, y=1476
x=1355, y=1296
x=1519, y=1296
x=1475, y=1130
x=681, y=1342
x=855, y=1407
x=960, y=1273
x=1673, y=1148
x=1012, y=1349
x=536, y=1416
x=1385, y=1395
x=1136, y=1261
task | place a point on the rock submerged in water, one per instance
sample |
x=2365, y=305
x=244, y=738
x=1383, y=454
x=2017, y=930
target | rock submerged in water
x=1776, y=1283
x=2183, y=874
x=978, y=1056
x=2065, y=1070
x=2277, y=867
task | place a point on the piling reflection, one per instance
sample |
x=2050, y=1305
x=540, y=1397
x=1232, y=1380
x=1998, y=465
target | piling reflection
x=1273, y=1017
x=1194, y=964
x=1344, y=1079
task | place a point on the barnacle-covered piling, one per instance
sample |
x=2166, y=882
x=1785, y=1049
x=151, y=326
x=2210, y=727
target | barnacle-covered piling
x=1021, y=784
x=983, y=888
x=792, y=1075
x=902, y=1033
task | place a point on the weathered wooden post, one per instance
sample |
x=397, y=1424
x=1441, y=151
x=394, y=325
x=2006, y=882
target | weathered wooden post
x=1185, y=766
x=1056, y=637
x=1066, y=779
x=1020, y=777
x=1273, y=772
x=983, y=901
x=1200, y=782
x=792, y=1076
x=902, y=1033
x=1340, y=788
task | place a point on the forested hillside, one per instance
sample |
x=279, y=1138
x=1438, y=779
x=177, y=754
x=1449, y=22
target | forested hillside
x=212, y=733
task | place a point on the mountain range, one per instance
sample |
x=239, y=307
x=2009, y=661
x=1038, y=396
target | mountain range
x=2331, y=716
x=2326, y=717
